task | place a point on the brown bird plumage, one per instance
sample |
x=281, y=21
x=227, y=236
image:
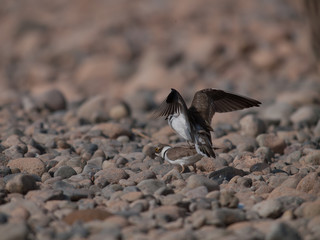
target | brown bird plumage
x=193, y=123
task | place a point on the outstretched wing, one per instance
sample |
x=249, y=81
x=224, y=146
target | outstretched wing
x=209, y=101
x=174, y=103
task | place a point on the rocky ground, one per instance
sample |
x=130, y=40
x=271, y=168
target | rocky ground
x=79, y=81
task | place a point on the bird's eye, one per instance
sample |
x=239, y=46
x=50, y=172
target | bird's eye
x=157, y=150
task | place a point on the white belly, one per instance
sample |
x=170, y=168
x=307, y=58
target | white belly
x=180, y=125
x=185, y=161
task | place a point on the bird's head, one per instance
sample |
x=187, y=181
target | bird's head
x=158, y=149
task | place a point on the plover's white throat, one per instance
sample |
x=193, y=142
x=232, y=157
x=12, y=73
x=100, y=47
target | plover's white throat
x=182, y=156
x=193, y=123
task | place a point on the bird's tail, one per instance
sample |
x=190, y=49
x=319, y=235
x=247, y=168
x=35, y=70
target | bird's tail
x=203, y=144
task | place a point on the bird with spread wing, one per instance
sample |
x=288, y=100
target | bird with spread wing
x=194, y=123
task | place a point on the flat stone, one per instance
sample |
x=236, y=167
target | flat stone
x=149, y=186
x=226, y=173
x=236, y=139
x=143, y=175
x=246, y=160
x=86, y=215
x=208, y=164
x=172, y=199
x=198, y=192
x=162, y=169
x=45, y=195
x=110, y=175
x=112, y=130
x=195, y=181
x=310, y=183
x=72, y=193
x=271, y=141
x=28, y=165
x=220, y=217
x=288, y=191
x=168, y=213
x=65, y=172
x=272, y=208
x=132, y=196
x=21, y=183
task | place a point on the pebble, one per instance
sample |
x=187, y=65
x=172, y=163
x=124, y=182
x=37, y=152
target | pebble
x=110, y=175
x=278, y=112
x=251, y=125
x=272, y=208
x=228, y=199
x=70, y=192
x=197, y=192
x=283, y=231
x=208, y=164
x=21, y=183
x=276, y=144
x=143, y=175
x=4, y=171
x=168, y=213
x=94, y=109
x=119, y=111
x=64, y=172
x=14, y=152
x=45, y=195
x=220, y=217
x=312, y=158
x=112, y=130
x=310, y=183
x=53, y=100
x=149, y=186
x=309, y=209
x=226, y=173
x=306, y=115
x=195, y=181
x=14, y=231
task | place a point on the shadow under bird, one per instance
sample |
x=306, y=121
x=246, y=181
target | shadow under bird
x=182, y=156
x=194, y=123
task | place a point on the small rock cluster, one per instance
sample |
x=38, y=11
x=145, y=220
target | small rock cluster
x=68, y=175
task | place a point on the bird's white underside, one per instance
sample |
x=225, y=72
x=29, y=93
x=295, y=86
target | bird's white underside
x=180, y=124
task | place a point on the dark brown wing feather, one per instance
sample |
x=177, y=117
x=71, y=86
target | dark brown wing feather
x=208, y=101
x=203, y=144
x=180, y=152
x=174, y=103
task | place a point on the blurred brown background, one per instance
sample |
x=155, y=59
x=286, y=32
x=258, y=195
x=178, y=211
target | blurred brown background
x=84, y=47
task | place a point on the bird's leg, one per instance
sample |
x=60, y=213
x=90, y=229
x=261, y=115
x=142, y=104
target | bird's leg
x=194, y=168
